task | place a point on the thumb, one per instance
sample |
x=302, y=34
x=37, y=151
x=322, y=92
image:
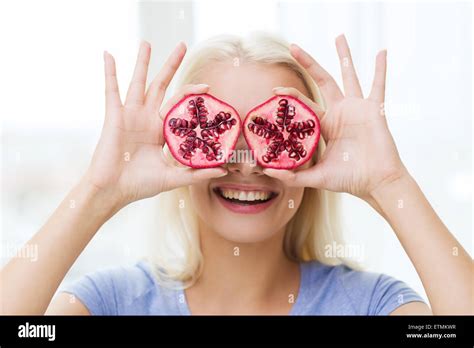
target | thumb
x=311, y=177
x=189, y=176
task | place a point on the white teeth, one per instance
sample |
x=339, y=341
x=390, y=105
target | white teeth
x=245, y=195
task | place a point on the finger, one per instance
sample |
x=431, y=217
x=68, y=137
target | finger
x=378, y=86
x=323, y=79
x=136, y=90
x=300, y=96
x=188, y=176
x=157, y=89
x=184, y=91
x=311, y=177
x=349, y=76
x=112, y=94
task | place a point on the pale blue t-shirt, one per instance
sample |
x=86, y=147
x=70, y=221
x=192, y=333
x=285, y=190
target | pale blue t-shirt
x=324, y=290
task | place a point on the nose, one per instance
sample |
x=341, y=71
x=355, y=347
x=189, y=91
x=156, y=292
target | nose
x=243, y=161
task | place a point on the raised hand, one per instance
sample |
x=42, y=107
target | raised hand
x=129, y=162
x=360, y=154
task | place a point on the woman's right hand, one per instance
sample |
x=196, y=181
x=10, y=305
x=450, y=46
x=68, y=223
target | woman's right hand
x=129, y=163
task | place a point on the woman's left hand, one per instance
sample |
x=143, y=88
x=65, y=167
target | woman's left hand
x=360, y=155
x=361, y=158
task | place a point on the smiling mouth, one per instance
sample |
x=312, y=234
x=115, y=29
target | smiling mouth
x=245, y=197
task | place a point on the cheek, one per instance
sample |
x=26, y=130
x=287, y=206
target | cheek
x=291, y=202
x=200, y=199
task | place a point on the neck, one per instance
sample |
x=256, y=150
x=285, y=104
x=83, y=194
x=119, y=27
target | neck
x=244, y=277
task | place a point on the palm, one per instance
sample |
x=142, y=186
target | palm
x=127, y=153
x=358, y=142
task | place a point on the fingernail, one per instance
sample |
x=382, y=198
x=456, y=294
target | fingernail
x=181, y=44
x=222, y=174
x=293, y=45
x=145, y=43
x=202, y=85
x=277, y=88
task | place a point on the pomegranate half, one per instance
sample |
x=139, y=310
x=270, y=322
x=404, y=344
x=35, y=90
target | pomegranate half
x=283, y=132
x=201, y=131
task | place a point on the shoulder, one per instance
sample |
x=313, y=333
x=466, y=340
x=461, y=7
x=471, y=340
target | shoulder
x=119, y=290
x=343, y=290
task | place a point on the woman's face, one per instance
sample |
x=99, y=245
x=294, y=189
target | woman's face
x=242, y=220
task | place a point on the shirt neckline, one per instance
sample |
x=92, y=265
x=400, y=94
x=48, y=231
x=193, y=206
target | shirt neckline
x=183, y=306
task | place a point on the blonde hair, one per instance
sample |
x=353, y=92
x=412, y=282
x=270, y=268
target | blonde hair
x=315, y=225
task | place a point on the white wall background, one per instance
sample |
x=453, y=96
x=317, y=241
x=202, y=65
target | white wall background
x=51, y=89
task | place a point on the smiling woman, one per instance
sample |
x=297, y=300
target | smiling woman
x=305, y=220
x=237, y=255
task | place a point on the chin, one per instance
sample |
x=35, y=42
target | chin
x=244, y=231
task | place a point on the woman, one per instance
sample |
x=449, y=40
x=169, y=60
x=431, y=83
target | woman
x=241, y=261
